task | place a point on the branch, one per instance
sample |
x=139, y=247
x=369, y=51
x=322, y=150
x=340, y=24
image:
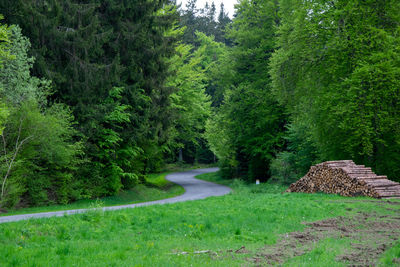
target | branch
x=195, y=252
x=18, y=145
x=5, y=148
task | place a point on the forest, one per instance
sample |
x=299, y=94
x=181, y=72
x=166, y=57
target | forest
x=95, y=94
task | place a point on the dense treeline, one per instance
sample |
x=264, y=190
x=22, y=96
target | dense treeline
x=249, y=119
x=313, y=81
x=338, y=77
x=107, y=61
x=95, y=94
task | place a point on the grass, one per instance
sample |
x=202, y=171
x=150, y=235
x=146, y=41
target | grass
x=240, y=185
x=215, y=177
x=391, y=257
x=179, y=167
x=252, y=216
x=157, y=187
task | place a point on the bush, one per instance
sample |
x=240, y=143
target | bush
x=45, y=163
x=40, y=153
x=283, y=169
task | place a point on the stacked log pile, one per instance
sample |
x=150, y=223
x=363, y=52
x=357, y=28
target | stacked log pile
x=346, y=178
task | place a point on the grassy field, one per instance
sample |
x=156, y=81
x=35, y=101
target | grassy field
x=157, y=187
x=254, y=225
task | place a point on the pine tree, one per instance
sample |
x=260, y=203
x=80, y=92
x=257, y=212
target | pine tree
x=87, y=48
x=223, y=22
x=204, y=20
x=189, y=21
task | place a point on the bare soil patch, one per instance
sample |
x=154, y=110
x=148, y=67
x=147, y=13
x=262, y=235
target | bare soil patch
x=378, y=201
x=371, y=235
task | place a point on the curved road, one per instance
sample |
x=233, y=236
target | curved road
x=194, y=189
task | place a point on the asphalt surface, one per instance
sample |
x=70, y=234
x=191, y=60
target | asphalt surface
x=194, y=189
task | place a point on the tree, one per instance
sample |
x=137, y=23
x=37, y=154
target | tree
x=249, y=120
x=39, y=153
x=189, y=21
x=112, y=156
x=4, y=55
x=89, y=48
x=223, y=22
x=190, y=102
x=203, y=20
x=335, y=69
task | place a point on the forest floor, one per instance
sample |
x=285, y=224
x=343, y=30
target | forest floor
x=254, y=225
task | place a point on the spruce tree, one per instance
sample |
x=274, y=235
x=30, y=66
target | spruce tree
x=87, y=48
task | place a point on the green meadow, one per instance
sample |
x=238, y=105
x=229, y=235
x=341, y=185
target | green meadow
x=253, y=225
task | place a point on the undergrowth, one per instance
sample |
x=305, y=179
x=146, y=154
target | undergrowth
x=155, y=188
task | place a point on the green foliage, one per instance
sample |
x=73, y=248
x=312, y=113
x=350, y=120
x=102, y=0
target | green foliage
x=300, y=154
x=4, y=55
x=39, y=155
x=216, y=67
x=249, y=122
x=47, y=161
x=190, y=102
x=219, y=140
x=336, y=69
x=287, y=84
x=283, y=168
x=4, y=43
x=391, y=256
x=15, y=78
x=204, y=20
x=87, y=48
x=113, y=157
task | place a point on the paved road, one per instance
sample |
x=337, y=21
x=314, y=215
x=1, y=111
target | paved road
x=194, y=189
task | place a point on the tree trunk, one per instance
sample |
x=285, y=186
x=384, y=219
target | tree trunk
x=180, y=159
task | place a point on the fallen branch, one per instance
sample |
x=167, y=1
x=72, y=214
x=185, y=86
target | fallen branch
x=240, y=250
x=194, y=252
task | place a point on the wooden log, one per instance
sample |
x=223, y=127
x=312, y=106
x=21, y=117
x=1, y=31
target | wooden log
x=347, y=179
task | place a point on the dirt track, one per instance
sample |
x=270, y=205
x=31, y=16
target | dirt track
x=371, y=234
